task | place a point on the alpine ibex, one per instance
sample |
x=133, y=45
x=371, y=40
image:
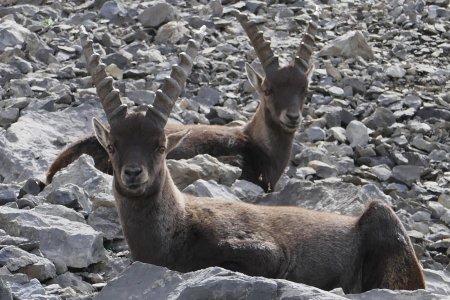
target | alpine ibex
x=262, y=147
x=168, y=228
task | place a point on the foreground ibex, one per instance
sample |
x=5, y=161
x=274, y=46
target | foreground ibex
x=262, y=147
x=168, y=228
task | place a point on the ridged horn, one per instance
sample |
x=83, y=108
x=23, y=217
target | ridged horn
x=268, y=60
x=109, y=96
x=173, y=85
x=303, y=56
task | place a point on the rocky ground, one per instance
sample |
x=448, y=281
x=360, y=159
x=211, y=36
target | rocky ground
x=375, y=126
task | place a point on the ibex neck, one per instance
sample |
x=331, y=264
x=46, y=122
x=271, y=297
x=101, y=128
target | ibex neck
x=266, y=131
x=273, y=148
x=150, y=223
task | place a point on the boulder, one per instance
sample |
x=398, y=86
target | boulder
x=74, y=243
x=144, y=281
x=340, y=197
x=186, y=171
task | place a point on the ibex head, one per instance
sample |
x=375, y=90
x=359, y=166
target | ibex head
x=136, y=142
x=282, y=90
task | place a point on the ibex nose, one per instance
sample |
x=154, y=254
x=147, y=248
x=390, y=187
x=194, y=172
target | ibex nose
x=132, y=171
x=293, y=117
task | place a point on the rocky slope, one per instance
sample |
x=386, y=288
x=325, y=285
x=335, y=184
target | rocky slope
x=375, y=126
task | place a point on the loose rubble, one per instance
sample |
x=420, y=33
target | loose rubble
x=375, y=126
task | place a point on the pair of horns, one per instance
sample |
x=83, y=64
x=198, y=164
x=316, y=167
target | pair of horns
x=268, y=60
x=165, y=97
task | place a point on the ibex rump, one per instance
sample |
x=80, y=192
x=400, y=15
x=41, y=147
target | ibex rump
x=262, y=147
x=166, y=227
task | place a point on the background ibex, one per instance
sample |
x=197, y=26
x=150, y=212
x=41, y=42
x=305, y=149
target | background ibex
x=262, y=147
x=165, y=227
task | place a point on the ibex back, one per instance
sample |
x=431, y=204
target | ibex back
x=165, y=227
x=262, y=147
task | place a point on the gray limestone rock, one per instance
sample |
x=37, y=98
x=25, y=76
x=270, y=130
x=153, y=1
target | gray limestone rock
x=357, y=133
x=210, y=188
x=171, y=32
x=18, y=260
x=339, y=197
x=217, y=283
x=8, y=116
x=12, y=34
x=351, y=44
x=407, y=174
x=106, y=220
x=186, y=171
x=81, y=173
x=156, y=15
x=381, y=118
x=74, y=243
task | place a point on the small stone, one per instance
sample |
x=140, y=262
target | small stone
x=383, y=172
x=304, y=172
x=114, y=71
x=18, y=260
x=444, y=199
x=216, y=8
x=210, y=188
x=421, y=216
x=32, y=187
x=112, y=10
x=357, y=133
x=446, y=217
x=437, y=209
x=12, y=34
x=421, y=144
x=246, y=190
x=171, y=32
x=407, y=174
x=418, y=127
x=157, y=15
x=73, y=281
x=338, y=133
x=322, y=169
x=208, y=96
x=70, y=196
x=308, y=154
x=7, y=194
x=396, y=71
x=336, y=91
x=381, y=118
x=315, y=134
x=186, y=171
x=106, y=220
x=351, y=44
x=8, y=116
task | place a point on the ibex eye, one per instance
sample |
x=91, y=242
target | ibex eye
x=162, y=149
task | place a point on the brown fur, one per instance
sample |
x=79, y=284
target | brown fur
x=165, y=227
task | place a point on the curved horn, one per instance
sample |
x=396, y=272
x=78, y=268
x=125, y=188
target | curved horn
x=109, y=96
x=302, y=58
x=173, y=85
x=262, y=48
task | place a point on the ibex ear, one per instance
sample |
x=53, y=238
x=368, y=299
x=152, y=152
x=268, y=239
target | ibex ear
x=174, y=139
x=309, y=72
x=101, y=133
x=254, y=77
